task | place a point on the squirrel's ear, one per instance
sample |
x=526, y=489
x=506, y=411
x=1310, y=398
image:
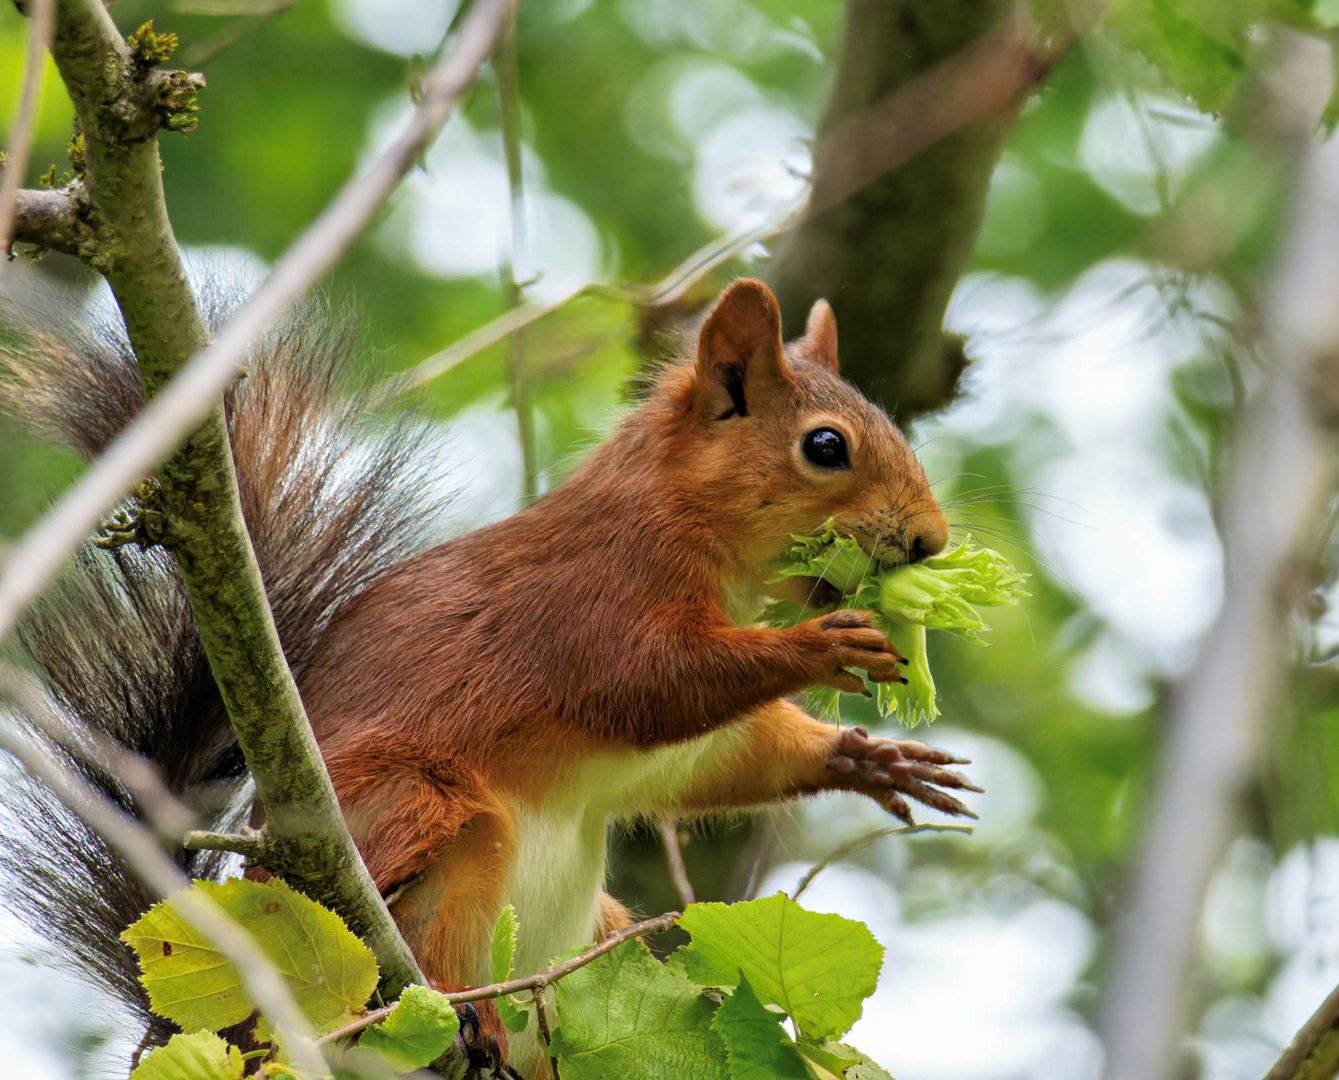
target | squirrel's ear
x=740, y=357
x=820, y=335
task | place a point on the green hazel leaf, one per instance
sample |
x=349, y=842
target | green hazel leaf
x=514, y=1017
x=200, y=1056
x=503, y=948
x=841, y=1059
x=417, y=1033
x=938, y=593
x=1200, y=55
x=627, y=1014
x=818, y=968
x=328, y=970
x=756, y=1044
x=1325, y=14
x=864, y=1069
x=830, y=1057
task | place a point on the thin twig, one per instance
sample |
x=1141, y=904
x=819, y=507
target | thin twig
x=507, y=66
x=669, y=838
x=697, y=266
x=249, y=18
x=189, y=396
x=546, y=1029
x=141, y=850
x=1315, y=1047
x=169, y=816
x=862, y=842
x=534, y=983
x=248, y=842
x=42, y=19
x=900, y=127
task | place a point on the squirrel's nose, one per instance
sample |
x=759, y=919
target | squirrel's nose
x=928, y=537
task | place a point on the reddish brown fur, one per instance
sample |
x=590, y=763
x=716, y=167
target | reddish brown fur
x=476, y=677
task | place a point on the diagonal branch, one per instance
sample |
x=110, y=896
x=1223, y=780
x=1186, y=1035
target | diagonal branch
x=120, y=105
x=121, y=102
x=1220, y=713
x=1314, y=1051
x=142, y=850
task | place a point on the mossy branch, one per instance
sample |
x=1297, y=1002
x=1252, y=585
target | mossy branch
x=53, y=220
x=122, y=100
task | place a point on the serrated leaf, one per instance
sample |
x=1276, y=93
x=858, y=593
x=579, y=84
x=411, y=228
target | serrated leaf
x=864, y=1069
x=1199, y=47
x=199, y=1056
x=818, y=968
x=833, y=1058
x=329, y=971
x=627, y=1014
x=514, y=1017
x=756, y=1044
x=503, y=948
x=417, y=1033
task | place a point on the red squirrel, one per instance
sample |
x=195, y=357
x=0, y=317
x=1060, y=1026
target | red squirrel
x=487, y=706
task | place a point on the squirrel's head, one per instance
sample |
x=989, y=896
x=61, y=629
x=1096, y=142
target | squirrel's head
x=783, y=443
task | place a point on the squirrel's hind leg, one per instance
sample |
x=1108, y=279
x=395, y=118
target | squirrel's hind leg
x=439, y=850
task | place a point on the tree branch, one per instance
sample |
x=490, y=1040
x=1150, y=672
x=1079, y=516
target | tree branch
x=1314, y=1051
x=145, y=855
x=188, y=398
x=52, y=219
x=678, y=281
x=923, y=100
x=861, y=842
x=668, y=828
x=158, y=806
x=536, y=983
x=305, y=833
x=121, y=103
x=1219, y=715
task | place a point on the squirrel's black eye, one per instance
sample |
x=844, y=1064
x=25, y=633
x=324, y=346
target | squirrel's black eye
x=826, y=448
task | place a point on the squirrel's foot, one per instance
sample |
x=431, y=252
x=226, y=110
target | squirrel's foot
x=483, y=1042
x=889, y=770
x=847, y=639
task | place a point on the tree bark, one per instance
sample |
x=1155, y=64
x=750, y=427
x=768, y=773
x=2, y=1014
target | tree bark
x=121, y=102
x=887, y=254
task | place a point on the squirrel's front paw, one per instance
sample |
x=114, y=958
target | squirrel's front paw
x=888, y=769
x=847, y=639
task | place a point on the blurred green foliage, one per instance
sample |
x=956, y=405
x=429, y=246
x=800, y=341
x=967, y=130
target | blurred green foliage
x=1134, y=153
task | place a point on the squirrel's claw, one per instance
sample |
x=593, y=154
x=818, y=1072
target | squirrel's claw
x=889, y=769
x=479, y=1041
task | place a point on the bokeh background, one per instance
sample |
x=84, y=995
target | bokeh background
x=1108, y=310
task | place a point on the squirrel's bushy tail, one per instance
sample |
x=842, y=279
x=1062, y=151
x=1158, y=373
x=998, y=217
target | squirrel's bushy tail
x=333, y=495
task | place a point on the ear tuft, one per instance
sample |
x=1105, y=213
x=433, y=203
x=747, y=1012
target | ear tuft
x=820, y=335
x=746, y=321
x=739, y=349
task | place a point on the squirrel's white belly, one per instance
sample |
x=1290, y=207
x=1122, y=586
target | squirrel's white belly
x=559, y=868
x=555, y=886
x=562, y=844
